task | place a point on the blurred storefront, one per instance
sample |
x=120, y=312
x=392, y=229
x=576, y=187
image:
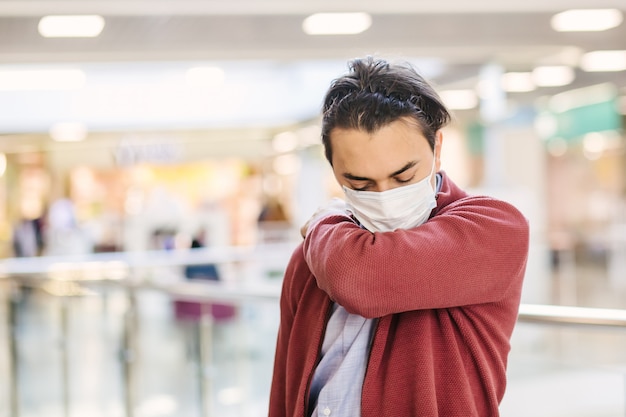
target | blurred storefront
x=146, y=191
x=583, y=132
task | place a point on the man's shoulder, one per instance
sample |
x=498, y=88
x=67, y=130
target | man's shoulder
x=297, y=272
x=453, y=197
x=297, y=256
x=486, y=207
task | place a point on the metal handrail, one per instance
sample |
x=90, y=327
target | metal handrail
x=572, y=315
x=142, y=259
x=42, y=269
x=528, y=313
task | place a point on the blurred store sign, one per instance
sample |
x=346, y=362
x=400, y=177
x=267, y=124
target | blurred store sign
x=577, y=122
x=572, y=115
x=131, y=151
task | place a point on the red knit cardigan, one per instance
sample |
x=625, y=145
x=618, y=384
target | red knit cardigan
x=446, y=294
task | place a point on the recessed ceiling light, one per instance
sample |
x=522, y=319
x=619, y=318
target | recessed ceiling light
x=336, y=23
x=58, y=26
x=518, y=82
x=592, y=20
x=597, y=61
x=553, y=76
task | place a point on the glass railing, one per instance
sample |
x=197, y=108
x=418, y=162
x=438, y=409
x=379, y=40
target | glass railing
x=566, y=371
x=126, y=335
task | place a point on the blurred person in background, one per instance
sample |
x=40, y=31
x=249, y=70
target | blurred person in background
x=191, y=310
x=27, y=238
x=273, y=223
x=28, y=231
x=402, y=299
x=64, y=234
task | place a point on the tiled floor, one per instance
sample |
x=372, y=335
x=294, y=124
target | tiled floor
x=554, y=372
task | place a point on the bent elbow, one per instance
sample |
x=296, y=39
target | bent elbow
x=363, y=310
x=355, y=301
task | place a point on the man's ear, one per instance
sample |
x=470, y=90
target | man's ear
x=438, y=143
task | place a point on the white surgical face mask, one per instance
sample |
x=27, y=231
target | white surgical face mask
x=399, y=208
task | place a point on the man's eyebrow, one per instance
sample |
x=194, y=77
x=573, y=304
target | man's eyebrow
x=353, y=177
x=409, y=165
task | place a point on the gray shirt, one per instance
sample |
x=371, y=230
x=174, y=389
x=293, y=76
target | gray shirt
x=336, y=386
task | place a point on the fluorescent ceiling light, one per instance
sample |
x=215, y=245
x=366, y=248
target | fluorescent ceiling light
x=518, y=82
x=41, y=79
x=604, y=61
x=68, y=132
x=87, y=26
x=592, y=20
x=553, y=76
x=336, y=23
x=205, y=77
x=459, y=99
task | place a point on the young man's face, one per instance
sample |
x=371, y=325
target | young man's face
x=395, y=155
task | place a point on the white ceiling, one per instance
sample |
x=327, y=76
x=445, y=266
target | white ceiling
x=274, y=73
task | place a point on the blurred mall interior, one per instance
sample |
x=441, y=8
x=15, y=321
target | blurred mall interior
x=173, y=135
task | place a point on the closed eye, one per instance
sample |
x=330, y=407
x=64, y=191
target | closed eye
x=404, y=181
x=361, y=188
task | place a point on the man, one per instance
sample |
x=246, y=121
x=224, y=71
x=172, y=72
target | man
x=402, y=300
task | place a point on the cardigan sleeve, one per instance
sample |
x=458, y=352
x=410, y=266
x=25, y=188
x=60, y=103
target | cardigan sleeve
x=471, y=252
x=278, y=392
x=304, y=310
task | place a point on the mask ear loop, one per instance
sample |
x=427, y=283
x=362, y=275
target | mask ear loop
x=437, y=177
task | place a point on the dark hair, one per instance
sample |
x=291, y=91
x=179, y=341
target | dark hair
x=375, y=93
